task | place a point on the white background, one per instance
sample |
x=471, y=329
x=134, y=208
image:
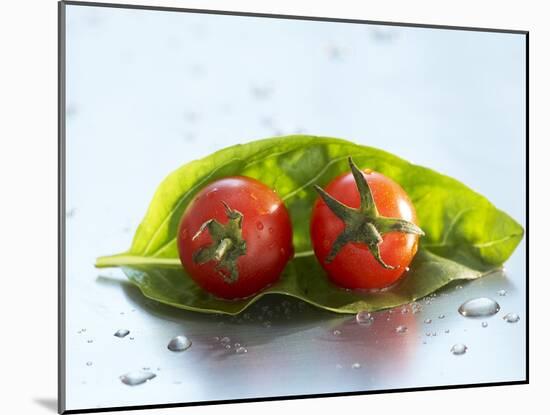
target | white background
x=28, y=85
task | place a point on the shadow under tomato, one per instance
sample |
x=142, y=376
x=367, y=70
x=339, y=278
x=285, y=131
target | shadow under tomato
x=272, y=317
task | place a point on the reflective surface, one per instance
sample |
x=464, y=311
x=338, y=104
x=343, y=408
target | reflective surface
x=148, y=91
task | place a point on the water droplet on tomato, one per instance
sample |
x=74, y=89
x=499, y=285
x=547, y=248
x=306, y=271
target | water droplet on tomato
x=479, y=307
x=179, y=344
x=511, y=318
x=458, y=349
x=259, y=225
x=271, y=230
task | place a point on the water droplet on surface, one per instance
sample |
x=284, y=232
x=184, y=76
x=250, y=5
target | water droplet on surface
x=336, y=332
x=237, y=345
x=217, y=338
x=434, y=334
x=441, y=316
x=356, y=365
x=89, y=363
x=259, y=225
x=227, y=346
x=136, y=378
x=83, y=330
x=428, y=334
x=179, y=344
x=339, y=366
x=364, y=317
x=225, y=340
x=241, y=350
x=458, y=287
x=458, y=349
x=90, y=341
x=401, y=329
x=511, y=318
x=122, y=333
x=428, y=321
x=266, y=324
x=131, y=338
x=447, y=331
x=484, y=324
x=122, y=313
x=502, y=293
x=479, y=307
x=404, y=310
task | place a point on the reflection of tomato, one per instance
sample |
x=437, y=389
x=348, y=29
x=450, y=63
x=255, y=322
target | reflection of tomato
x=235, y=237
x=363, y=230
x=379, y=347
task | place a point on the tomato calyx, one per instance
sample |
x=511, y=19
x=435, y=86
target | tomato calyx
x=227, y=244
x=363, y=225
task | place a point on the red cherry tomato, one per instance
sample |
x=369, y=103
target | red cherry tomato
x=235, y=237
x=351, y=262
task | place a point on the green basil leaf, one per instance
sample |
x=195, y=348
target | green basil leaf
x=303, y=278
x=465, y=234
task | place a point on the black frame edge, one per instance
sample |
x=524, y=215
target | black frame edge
x=61, y=397
x=293, y=397
x=289, y=17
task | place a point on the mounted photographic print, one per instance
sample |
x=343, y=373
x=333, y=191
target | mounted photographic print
x=275, y=207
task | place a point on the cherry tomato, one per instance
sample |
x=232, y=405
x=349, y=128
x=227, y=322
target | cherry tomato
x=235, y=237
x=364, y=230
